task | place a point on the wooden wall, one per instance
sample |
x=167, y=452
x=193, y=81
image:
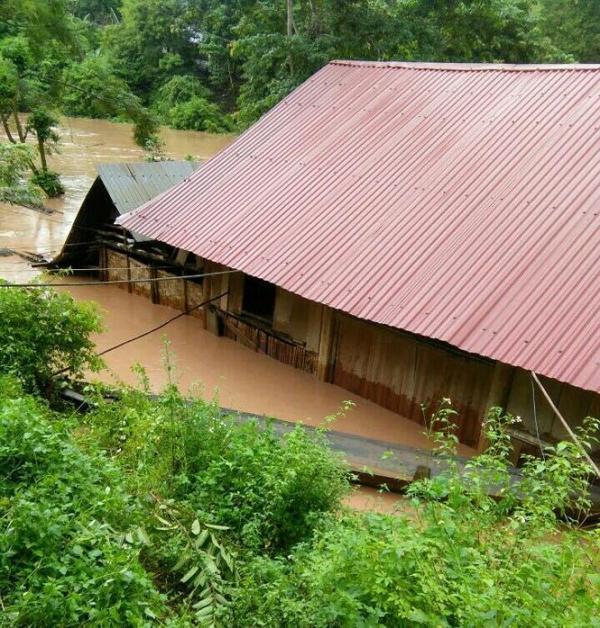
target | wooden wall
x=396, y=370
x=573, y=403
x=401, y=372
x=183, y=294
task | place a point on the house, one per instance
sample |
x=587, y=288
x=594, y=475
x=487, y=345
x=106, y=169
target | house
x=411, y=231
x=118, y=188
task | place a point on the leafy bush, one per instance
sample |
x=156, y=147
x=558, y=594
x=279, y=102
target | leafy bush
x=178, y=89
x=15, y=162
x=184, y=103
x=467, y=560
x=92, y=89
x=49, y=181
x=199, y=115
x=269, y=491
x=44, y=332
x=64, y=557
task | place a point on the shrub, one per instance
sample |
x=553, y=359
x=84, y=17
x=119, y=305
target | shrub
x=467, y=560
x=178, y=89
x=44, y=332
x=198, y=114
x=92, y=89
x=64, y=555
x=49, y=181
x=269, y=491
x=15, y=163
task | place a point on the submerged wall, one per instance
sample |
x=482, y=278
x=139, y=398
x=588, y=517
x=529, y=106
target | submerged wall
x=410, y=376
x=183, y=294
x=397, y=370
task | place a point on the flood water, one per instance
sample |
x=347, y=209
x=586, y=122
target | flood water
x=239, y=378
x=84, y=144
x=216, y=367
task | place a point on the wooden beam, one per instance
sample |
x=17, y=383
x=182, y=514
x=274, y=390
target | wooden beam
x=327, y=343
x=498, y=395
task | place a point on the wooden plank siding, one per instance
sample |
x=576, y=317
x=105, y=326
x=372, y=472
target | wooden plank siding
x=401, y=372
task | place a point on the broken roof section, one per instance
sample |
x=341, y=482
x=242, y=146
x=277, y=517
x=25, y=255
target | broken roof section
x=457, y=202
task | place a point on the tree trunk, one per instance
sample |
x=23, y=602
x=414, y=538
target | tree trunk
x=20, y=132
x=290, y=18
x=290, y=31
x=42, y=151
x=11, y=139
x=315, y=22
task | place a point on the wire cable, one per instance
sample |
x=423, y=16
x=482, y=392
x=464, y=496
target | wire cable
x=115, y=281
x=68, y=269
x=151, y=331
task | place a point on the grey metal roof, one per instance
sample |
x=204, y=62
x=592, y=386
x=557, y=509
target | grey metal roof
x=133, y=184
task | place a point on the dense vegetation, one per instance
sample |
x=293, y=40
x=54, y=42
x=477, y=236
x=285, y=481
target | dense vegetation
x=195, y=61
x=216, y=66
x=162, y=511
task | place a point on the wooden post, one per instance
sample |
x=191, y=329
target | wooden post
x=565, y=424
x=128, y=274
x=498, y=394
x=327, y=344
x=154, y=285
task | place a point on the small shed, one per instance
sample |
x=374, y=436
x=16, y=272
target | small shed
x=118, y=188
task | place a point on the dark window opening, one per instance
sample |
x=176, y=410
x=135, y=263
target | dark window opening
x=259, y=299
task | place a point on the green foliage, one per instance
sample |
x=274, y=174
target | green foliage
x=49, y=181
x=92, y=89
x=204, y=566
x=153, y=41
x=178, y=89
x=161, y=510
x=573, y=26
x=63, y=555
x=465, y=559
x=97, y=11
x=146, y=50
x=15, y=160
x=198, y=114
x=268, y=491
x=44, y=332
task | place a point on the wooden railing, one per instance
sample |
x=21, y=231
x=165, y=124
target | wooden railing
x=268, y=342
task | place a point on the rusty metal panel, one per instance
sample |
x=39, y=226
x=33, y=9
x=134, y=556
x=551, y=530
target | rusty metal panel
x=458, y=202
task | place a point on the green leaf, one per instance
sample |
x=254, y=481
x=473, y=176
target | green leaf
x=190, y=574
x=196, y=527
x=216, y=527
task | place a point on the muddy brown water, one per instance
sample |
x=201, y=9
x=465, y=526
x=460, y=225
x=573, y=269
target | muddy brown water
x=84, y=144
x=217, y=367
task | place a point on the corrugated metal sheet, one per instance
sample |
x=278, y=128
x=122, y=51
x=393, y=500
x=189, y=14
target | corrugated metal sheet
x=456, y=202
x=133, y=184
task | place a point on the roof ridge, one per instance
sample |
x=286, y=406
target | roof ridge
x=470, y=67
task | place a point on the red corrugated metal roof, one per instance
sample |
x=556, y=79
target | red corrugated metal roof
x=458, y=202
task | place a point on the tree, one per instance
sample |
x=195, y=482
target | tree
x=41, y=123
x=573, y=26
x=97, y=11
x=92, y=89
x=154, y=40
x=40, y=38
x=15, y=164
